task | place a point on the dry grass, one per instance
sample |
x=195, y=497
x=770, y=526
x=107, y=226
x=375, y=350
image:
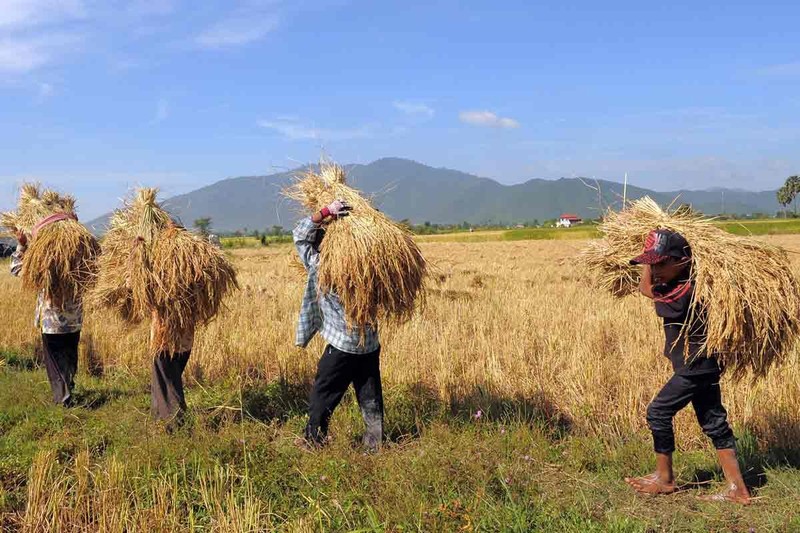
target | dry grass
x=372, y=263
x=530, y=329
x=747, y=288
x=82, y=496
x=153, y=268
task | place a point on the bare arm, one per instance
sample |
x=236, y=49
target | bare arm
x=646, y=282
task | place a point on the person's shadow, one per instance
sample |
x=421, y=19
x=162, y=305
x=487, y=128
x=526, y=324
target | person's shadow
x=410, y=408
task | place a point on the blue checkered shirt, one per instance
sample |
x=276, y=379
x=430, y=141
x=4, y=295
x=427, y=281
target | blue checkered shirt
x=323, y=312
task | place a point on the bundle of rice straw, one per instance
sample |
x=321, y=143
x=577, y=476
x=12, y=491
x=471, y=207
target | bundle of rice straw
x=369, y=261
x=61, y=259
x=747, y=287
x=35, y=204
x=152, y=266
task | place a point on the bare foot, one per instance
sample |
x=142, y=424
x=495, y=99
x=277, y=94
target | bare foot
x=652, y=484
x=732, y=495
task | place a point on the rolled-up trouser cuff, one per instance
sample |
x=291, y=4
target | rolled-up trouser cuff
x=663, y=442
x=727, y=443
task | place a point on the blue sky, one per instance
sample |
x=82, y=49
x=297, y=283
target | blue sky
x=99, y=96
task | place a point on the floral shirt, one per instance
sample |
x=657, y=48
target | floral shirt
x=49, y=318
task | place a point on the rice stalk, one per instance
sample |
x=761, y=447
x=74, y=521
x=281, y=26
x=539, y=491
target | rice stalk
x=747, y=288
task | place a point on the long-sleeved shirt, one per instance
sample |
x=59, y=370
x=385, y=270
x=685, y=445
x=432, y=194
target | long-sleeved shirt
x=323, y=312
x=50, y=319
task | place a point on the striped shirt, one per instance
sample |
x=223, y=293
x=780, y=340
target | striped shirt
x=49, y=318
x=323, y=312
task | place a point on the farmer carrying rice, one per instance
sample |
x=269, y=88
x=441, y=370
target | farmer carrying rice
x=56, y=257
x=668, y=279
x=368, y=270
x=727, y=302
x=352, y=354
x=152, y=268
x=61, y=332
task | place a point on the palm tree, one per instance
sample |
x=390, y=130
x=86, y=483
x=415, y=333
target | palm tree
x=203, y=226
x=788, y=193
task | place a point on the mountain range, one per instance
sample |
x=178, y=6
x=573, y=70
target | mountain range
x=405, y=189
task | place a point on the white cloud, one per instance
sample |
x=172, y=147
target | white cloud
x=31, y=32
x=296, y=130
x=487, y=119
x=20, y=55
x=237, y=30
x=414, y=108
x=20, y=14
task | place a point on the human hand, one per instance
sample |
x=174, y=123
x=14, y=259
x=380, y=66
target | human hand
x=22, y=239
x=337, y=208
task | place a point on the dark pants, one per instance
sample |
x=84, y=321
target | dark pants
x=166, y=386
x=336, y=370
x=703, y=392
x=61, y=362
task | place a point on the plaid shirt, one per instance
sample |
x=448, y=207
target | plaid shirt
x=50, y=319
x=324, y=312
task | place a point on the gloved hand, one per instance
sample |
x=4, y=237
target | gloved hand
x=337, y=208
x=22, y=239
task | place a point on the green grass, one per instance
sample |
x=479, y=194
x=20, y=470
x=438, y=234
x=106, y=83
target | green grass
x=589, y=231
x=585, y=231
x=762, y=227
x=252, y=242
x=462, y=236
x=442, y=470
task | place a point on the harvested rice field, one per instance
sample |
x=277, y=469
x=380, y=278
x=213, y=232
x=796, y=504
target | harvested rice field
x=515, y=401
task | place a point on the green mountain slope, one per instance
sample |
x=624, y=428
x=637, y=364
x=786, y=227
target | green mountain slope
x=409, y=190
